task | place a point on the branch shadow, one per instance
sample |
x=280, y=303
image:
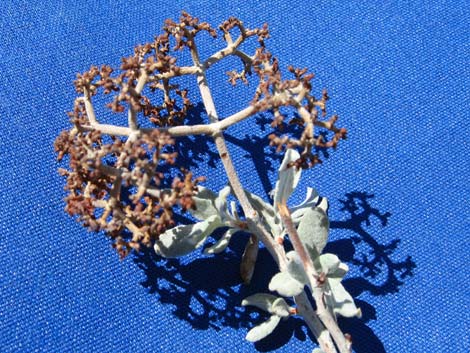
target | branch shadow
x=206, y=291
x=267, y=160
x=196, y=150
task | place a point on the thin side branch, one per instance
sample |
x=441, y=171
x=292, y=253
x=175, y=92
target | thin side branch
x=132, y=113
x=90, y=112
x=325, y=315
x=179, y=71
x=231, y=49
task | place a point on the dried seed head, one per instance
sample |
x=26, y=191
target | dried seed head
x=126, y=186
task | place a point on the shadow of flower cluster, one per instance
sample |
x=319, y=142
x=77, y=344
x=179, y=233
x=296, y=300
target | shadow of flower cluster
x=381, y=274
x=196, y=150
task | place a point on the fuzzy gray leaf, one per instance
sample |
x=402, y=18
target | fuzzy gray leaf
x=221, y=200
x=267, y=212
x=182, y=240
x=310, y=202
x=340, y=272
x=205, y=203
x=233, y=210
x=332, y=266
x=285, y=285
x=280, y=308
x=313, y=231
x=295, y=267
x=340, y=300
x=261, y=301
x=323, y=204
x=222, y=243
x=288, y=177
x=264, y=329
x=329, y=263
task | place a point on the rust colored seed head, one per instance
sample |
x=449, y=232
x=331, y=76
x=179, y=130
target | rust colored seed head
x=101, y=173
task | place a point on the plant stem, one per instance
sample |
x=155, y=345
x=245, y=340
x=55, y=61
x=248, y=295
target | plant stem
x=176, y=131
x=322, y=335
x=132, y=113
x=322, y=311
x=90, y=112
x=275, y=249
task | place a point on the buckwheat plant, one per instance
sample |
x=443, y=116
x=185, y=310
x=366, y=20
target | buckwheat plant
x=124, y=180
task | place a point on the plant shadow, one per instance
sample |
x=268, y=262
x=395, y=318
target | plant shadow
x=196, y=150
x=380, y=275
x=206, y=291
x=267, y=160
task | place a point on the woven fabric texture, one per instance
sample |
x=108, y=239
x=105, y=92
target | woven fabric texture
x=398, y=75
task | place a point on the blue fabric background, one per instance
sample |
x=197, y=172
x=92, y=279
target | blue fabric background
x=398, y=73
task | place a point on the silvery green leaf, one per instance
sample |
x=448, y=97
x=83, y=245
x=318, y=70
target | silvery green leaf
x=269, y=303
x=261, y=301
x=340, y=272
x=221, y=200
x=205, y=203
x=267, y=212
x=285, y=285
x=310, y=201
x=262, y=330
x=222, y=243
x=329, y=263
x=280, y=308
x=340, y=300
x=313, y=231
x=323, y=205
x=182, y=240
x=332, y=266
x=288, y=177
x=295, y=267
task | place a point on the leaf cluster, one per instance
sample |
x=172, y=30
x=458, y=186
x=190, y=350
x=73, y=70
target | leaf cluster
x=311, y=222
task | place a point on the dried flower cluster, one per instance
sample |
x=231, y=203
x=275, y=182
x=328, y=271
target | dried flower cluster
x=102, y=173
x=123, y=180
